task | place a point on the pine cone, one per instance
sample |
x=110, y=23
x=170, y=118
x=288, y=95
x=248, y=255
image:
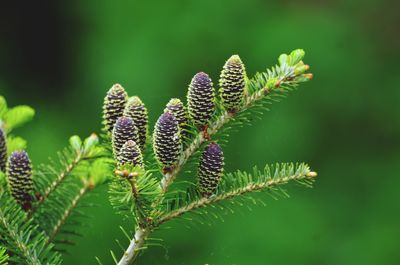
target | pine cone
x=124, y=130
x=176, y=107
x=232, y=83
x=167, y=141
x=3, y=151
x=19, y=174
x=136, y=110
x=201, y=102
x=211, y=169
x=130, y=154
x=114, y=105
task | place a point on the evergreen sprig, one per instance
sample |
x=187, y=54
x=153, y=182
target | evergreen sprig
x=141, y=169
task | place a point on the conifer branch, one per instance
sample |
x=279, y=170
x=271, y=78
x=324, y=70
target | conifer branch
x=74, y=203
x=60, y=178
x=251, y=187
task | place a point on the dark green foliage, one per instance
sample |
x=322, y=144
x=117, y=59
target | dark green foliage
x=211, y=169
x=3, y=151
x=201, y=102
x=19, y=175
x=136, y=110
x=22, y=237
x=130, y=154
x=114, y=105
x=232, y=84
x=124, y=131
x=167, y=142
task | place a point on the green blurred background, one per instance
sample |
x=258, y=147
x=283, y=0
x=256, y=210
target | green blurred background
x=62, y=56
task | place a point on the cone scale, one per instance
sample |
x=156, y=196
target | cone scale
x=3, y=151
x=130, y=154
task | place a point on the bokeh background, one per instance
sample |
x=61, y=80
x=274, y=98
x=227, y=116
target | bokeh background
x=62, y=56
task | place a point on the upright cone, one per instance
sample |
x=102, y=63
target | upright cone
x=167, y=141
x=124, y=130
x=19, y=176
x=176, y=107
x=211, y=169
x=114, y=105
x=232, y=83
x=136, y=110
x=3, y=151
x=130, y=154
x=201, y=101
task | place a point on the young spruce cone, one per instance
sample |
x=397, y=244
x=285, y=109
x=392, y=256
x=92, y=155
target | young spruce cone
x=19, y=175
x=201, y=105
x=176, y=107
x=114, y=105
x=167, y=141
x=136, y=110
x=124, y=130
x=232, y=83
x=211, y=169
x=3, y=151
x=130, y=154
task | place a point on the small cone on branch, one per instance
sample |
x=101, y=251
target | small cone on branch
x=137, y=111
x=3, y=151
x=130, y=154
x=211, y=169
x=19, y=176
x=167, y=142
x=232, y=83
x=201, y=101
x=124, y=130
x=114, y=105
x=176, y=107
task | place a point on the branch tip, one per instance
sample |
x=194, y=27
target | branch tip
x=312, y=174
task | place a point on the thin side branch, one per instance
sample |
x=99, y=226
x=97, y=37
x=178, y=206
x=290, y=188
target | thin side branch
x=74, y=203
x=60, y=178
x=15, y=236
x=234, y=193
x=135, y=245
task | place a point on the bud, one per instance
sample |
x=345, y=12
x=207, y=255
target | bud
x=114, y=105
x=211, y=169
x=136, y=110
x=201, y=102
x=232, y=83
x=124, y=130
x=176, y=107
x=167, y=141
x=3, y=151
x=130, y=154
x=19, y=175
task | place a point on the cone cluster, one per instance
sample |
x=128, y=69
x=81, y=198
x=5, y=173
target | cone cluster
x=19, y=176
x=210, y=169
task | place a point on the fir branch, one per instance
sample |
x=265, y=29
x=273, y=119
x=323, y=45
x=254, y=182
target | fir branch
x=74, y=203
x=250, y=187
x=269, y=85
x=3, y=256
x=22, y=238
